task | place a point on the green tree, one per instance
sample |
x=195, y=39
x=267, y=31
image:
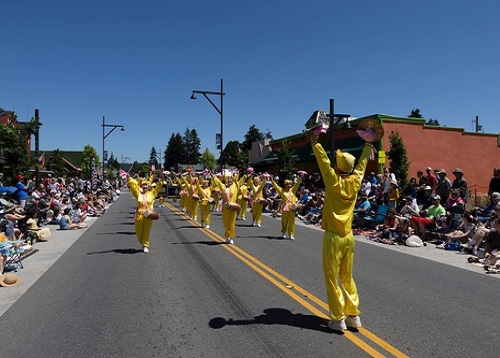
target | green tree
x=415, y=113
x=175, y=152
x=208, y=160
x=192, y=144
x=233, y=156
x=153, y=157
x=113, y=163
x=253, y=135
x=88, y=153
x=15, y=152
x=399, y=159
x=285, y=161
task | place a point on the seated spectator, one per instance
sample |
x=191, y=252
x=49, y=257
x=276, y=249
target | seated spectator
x=408, y=207
x=390, y=232
x=428, y=218
x=411, y=190
x=8, y=222
x=484, y=229
x=492, y=244
x=484, y=214
x=464, y=232
x=65, y=222
x=427, y=198
x=42, y=234
x=314, y=215
x=455, y=207
x=361, y=209
x=366, y=186
x=79, y=216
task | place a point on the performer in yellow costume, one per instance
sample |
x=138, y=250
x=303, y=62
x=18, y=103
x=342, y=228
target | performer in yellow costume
x=205, y=193
x=229, y=193
x=145, y=195
x=243, y=200
x=342, y=185
x=192, y=190
x=288, y=198
x=256, y=186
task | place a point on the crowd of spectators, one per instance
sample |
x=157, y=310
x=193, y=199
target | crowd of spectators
x=29, y=212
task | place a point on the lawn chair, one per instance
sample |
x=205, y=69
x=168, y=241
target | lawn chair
x=376, y=218
x=12, y=250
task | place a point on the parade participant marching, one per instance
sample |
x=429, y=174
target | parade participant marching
x=243, y=200
x=141, y=189
x=205, y=193
x=342, y=185
x=230, y=208
x=192, y=196
x=288, y=202
x=257, y=187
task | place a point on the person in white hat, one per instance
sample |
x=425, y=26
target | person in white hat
x=342, y=184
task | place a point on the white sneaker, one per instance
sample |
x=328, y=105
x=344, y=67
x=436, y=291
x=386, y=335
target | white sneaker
x=353, y=321
x=337, y=325
x=254, y=224
x=291, y=237
x=145, y=250
x=283, y=236
x=244, y=219
x=207, y=226
x=229, y=241
x=258, y=225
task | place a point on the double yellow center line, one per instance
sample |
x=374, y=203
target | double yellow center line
x=301, y=295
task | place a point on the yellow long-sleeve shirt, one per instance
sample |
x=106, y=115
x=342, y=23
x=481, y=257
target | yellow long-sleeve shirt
x=341, y=191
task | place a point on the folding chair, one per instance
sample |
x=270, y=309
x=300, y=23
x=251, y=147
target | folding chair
x=12, y=250
x=374, y=219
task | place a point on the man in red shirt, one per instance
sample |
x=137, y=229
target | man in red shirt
x=431, y=179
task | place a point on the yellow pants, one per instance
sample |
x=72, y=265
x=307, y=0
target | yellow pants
x=243, y=204
x=205, y=213
x=229, y=221
x=288, y=222
x=257, y=212
x=338, y=259
x=142, y=229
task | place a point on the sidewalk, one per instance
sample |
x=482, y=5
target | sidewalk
x=37, y=264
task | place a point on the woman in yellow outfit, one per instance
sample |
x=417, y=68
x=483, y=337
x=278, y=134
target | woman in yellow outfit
x=243, y=200
x=192, y=193
x=257, y=187
x=342, y=184
x=145, y=195
x=288, y=198
x=205, y=193
x=229, y=193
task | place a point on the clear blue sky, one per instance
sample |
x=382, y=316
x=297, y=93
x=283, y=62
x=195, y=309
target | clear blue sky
x=137, y=62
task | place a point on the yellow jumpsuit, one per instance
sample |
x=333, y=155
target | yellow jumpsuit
x=229, y=195
x=144, y=202
x=288, y=198
x=338, y=239
x=256, y=205
x=192, y=205
x=243, y=193
x=205, y=194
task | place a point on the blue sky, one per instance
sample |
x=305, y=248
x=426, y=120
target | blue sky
x=137, y=62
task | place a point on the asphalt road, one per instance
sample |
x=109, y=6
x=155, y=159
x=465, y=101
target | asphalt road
x=194, y=296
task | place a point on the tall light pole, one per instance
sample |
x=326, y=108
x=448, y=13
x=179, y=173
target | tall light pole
x=105, y=135
x=218, y=138
x=334, y=120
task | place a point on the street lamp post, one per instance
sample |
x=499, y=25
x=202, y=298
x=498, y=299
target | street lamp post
x=105, y=135
x=220, y=111
x=334, y=120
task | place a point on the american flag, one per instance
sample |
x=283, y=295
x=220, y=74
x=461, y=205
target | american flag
x=93, y=173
